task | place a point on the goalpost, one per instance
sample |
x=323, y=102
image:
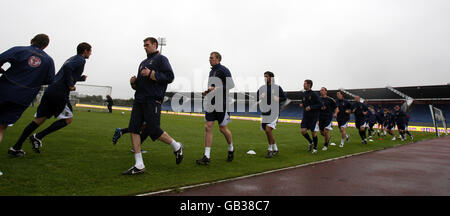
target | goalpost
x=438, y=115
x=90, y=94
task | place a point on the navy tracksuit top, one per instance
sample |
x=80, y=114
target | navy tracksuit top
x=30, y=68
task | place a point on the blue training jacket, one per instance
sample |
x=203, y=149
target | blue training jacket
x=148, y=89
x=30, y=68
x=68, y=76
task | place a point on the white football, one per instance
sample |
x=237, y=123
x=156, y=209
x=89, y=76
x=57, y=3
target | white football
x=123, y=113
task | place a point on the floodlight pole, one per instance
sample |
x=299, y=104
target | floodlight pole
x=353, y=95
x=162, y=42
x=401, y=94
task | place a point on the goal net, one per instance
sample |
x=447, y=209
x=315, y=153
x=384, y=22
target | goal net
x=438, y=117
x=90, y=94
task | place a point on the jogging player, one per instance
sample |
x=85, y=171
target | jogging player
x=371, y=120
x=400, y=120
x=219, y=84
x=327, y=109
x=360, y=110
x=154, y=74
x=30, y=68
x=268, y=94
x=311, y=104
x=55, y=101
x=342, y=115
x=389, y=122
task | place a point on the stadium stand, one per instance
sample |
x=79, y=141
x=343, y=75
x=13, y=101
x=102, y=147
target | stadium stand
x=437, y=95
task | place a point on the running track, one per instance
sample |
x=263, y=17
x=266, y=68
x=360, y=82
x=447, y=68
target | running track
x=421, y=168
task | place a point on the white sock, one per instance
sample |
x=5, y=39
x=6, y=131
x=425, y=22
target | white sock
x=175, y=145
x=139, y=162
x=275, y=148
x=270, y=147
x=207, y=152
x=230, y=147
x=342, y=141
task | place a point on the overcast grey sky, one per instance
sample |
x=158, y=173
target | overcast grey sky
x=345, y=43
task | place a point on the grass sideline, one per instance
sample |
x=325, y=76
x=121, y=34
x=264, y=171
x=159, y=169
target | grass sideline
x=81, y=160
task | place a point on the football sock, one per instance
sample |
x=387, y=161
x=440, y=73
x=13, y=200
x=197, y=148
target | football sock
x=315, y=139
x=230, y=147
x=124, y=131
x=26, y=133
x=175, y=145
x=270, y=147
x=274, y=146
x=53, y=127
x=308, y=138
x=139, y=162
x=207, y=152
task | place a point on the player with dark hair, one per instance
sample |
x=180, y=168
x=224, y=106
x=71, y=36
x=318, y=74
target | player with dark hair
x=268, y=94
x=55, y=101
x=360, y=110
x=30, y=68
x=219, y=84
x=154, y=74
x=342, y=115
x=328, y=107
x=311, y=104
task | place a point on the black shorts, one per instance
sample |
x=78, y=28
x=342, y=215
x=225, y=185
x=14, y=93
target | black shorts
x=401, y=125
x=342, y=122
x=149, y=112
x=52, y=105
x=222, y=117
x=310, y=123
x=10, y=112
x=325, y=123
x=360, y=123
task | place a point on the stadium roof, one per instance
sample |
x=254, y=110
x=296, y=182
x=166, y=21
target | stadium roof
x=432, y=92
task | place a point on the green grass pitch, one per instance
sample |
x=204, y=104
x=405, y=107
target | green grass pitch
x=81, y=159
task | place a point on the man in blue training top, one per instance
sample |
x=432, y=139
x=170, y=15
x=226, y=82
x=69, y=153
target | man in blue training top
x=400, y=120
x=55, y=101
x=342, y=115
x=360, y=110
x=271, y=95
x=389, y=122
x=219, y=84
x=154, y=74
x=311, y=104
x=371, y=120
x=380, y=120
x=327, y=109
x=30, y=68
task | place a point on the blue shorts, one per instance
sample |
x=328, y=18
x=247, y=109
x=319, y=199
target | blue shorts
x=401, y=125
x=10, y=112
x=342, y=122
x=52, y=105
x=310, y=123
x=149, y=112
x=325, y=123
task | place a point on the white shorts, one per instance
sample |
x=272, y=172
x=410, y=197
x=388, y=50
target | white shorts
x=272, y=124
x=65, y=114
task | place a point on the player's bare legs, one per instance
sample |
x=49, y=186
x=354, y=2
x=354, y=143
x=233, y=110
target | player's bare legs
x=2, y=130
